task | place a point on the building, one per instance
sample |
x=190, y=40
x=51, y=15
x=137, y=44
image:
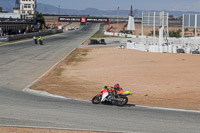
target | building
x=27, y=7
x=13, y=23
x=11, y=15
x=11, y=26
x=21, y=21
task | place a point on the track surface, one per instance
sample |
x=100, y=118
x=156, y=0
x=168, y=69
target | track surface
x=22, y=63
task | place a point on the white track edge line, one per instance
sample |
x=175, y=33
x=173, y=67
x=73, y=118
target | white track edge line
x=168, y=109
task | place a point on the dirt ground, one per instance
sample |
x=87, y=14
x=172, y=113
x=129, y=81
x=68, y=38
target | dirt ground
x=34, y=130
x=156, y=79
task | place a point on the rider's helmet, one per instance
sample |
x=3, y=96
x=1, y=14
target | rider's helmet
x=116, y=86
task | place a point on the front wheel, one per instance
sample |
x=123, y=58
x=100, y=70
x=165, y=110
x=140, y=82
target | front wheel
x=96, y=99
x=123, y=101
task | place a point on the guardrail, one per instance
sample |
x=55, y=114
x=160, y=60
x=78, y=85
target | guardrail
x=4, y=39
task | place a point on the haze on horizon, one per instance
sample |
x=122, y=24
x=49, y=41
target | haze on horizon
x=173, y=5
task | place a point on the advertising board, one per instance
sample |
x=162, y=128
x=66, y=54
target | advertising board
x=83, y=19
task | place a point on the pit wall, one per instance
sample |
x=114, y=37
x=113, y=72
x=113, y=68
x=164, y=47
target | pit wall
x=28, y=35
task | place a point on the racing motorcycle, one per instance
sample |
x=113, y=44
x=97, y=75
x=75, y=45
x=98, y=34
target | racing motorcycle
x=41, y=42
x=119, y=97
x=35, y=40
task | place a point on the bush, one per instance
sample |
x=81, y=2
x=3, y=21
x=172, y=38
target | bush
x=175, y=33
x=151, y=33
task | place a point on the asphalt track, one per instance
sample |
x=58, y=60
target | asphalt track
x=22, y=63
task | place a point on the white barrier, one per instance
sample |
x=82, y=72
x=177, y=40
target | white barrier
x=170, y=49
x=146, y=43
x=119, y=34
x=188, y=50
x=160, y=48
x=133, y=45
x=165, y=49
x=132, y=36
x=174, y=50
x=130, y=45
x=108, y=33
x=156, y=48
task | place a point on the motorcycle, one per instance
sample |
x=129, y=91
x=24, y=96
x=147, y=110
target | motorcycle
x=41, y=42
x=35, y=40
x=119, y=97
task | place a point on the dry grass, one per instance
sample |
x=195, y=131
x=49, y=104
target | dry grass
x=77, y=56
x=2, y=43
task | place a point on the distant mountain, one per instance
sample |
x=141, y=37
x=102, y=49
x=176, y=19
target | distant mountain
x=48, y=9
x=7, y=5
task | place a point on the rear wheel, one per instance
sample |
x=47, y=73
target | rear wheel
x=123, y=101
x=96, y=99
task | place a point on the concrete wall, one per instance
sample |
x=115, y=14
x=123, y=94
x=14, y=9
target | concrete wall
x=10, y=15
x=172, y=48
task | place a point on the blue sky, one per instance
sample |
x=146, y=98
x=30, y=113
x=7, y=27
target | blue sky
x=174, y=5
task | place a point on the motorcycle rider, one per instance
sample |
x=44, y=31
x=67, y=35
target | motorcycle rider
x=105, y=94
x=114, y=95
x=111, y=91
x=40, y=40
x=117, y=87
x=35, y=39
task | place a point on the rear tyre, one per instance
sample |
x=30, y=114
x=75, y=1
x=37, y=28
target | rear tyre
x=123, y=101
x=96, y=99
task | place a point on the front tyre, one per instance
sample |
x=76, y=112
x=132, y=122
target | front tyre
x=96, y=99
x=123, y=101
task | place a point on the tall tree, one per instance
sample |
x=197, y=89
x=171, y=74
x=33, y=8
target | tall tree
x=1, y=9
x=40, y=19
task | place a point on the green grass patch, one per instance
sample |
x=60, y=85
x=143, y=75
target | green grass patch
x=1, y=43
x=101, y=36
x=81, y=27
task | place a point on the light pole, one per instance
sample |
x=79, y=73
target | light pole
x=59, y=9
x=117, y=19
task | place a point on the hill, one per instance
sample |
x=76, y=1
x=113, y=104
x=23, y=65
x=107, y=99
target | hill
x=7, y=5
x=48, y=9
